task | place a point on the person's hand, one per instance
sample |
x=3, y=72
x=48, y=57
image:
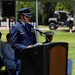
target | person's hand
x=30, y=46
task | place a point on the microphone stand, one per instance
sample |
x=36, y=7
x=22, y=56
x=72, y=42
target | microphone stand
x=43, y=35
x=46, y=37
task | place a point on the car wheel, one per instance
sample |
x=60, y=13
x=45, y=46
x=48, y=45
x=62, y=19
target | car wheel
x=52, y=26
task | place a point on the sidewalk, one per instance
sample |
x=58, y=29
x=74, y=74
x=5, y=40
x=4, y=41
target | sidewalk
x=4, y=28
x=7, y=28
x=59, y=28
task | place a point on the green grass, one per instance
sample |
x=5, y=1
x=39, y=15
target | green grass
x=59, y=36
x=4, y=32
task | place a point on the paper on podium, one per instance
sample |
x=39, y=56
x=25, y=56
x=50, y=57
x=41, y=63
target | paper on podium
x=37, y=44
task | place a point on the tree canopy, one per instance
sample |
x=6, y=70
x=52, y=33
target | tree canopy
x=68, y=6
x=45, y=9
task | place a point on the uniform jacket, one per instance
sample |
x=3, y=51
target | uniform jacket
x=7, y=51
x=1, y=42
x=22, y=37
x=8, y=55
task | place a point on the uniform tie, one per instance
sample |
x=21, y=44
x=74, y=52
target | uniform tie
x=27, y=30
x=26, y=26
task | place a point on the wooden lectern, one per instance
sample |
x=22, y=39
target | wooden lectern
x=47, y=59
x=55, y=58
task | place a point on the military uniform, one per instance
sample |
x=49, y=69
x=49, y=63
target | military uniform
x=22, y=35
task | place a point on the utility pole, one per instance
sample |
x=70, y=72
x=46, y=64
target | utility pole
x=74, y=14
x=0, y=12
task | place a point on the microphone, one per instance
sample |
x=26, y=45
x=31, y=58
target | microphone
x=39, y=31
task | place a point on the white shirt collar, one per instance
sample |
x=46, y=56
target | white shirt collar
x=22, y=22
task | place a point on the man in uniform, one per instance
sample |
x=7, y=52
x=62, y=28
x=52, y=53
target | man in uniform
x=22, y=35
x=49, y=36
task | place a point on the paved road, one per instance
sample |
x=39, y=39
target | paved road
x=4, y=28
x=60, y=28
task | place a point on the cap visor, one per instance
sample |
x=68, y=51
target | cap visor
x=28, y=14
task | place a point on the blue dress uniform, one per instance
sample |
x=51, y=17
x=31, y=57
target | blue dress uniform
x=22, y=35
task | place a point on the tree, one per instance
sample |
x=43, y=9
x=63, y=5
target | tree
x=31, y=5
x=48, y=10
x=45, y=10
x=68, y=6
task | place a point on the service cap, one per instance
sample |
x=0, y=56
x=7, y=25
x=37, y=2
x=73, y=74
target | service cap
x=25, y=12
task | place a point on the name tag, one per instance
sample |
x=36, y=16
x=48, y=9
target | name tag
x=22, y=32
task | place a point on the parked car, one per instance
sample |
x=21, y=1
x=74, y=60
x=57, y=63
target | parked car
x=61, y=18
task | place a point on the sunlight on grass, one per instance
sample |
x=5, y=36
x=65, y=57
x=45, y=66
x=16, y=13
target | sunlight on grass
x=3, y=68
x=4, y=32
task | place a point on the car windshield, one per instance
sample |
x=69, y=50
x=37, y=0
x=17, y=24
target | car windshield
x=63, y=15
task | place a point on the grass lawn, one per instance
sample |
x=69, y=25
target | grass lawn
x=60, y=36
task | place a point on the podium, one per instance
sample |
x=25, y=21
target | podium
x=47, y=59
x=32, y=61
x=55, y=58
